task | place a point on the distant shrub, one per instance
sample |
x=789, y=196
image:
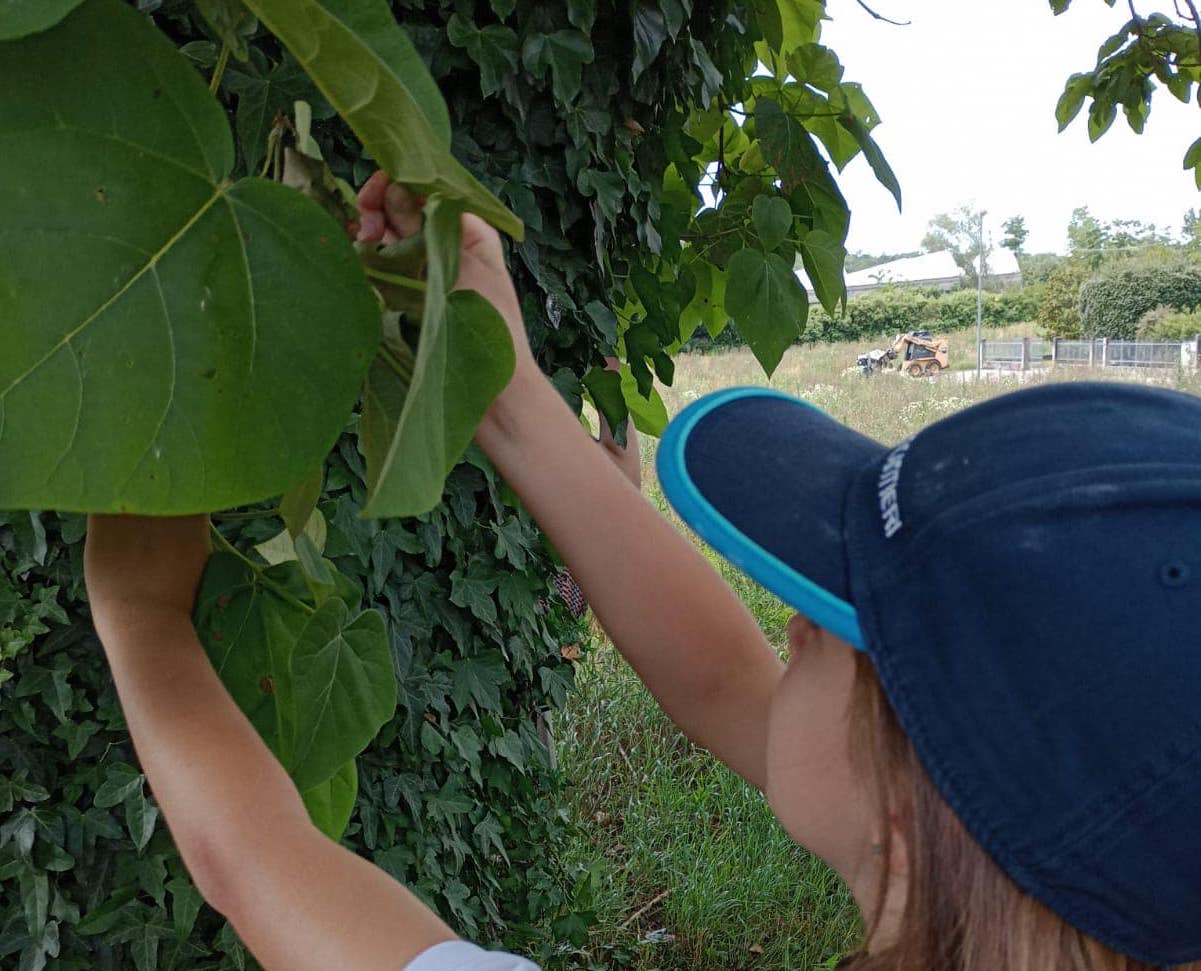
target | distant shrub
x=896, y=310
x=1112, y=303
x=1165, y=324
x=1058, y=313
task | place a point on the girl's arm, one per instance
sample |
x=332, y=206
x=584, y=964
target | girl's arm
x=297, y=899
x=666, y=609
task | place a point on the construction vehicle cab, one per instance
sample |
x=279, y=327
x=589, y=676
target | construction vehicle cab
x=920, y=355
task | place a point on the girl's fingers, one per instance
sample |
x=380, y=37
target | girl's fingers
x=371, y=195
x=371, y=225
x=403, y=209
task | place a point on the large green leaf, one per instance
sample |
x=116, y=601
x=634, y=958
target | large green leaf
x=824, y=258
x=21, y=17
x=248, y=625
x=316, y=683
x=368, y=69
x=331, y=803
x=165, y=333
x=343, y=690
x=767, y=304
x=413, y=438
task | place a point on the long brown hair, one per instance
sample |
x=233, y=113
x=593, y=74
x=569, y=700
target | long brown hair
x=961, y=912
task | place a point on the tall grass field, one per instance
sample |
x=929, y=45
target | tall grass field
x=686, y=867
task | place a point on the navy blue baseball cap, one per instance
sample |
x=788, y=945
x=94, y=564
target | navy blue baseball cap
x=1026, y=578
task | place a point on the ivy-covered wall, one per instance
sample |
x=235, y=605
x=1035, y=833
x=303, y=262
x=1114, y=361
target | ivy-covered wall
x=456, y=798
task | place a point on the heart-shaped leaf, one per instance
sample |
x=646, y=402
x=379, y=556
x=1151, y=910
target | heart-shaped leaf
x=413, y=436
x=344, y=689
x=767, y=304
x=331, y=803
x=368, y=69
x=166, y=333
x=315, y=682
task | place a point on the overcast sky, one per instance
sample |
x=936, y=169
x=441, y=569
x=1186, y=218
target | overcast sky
x=967, y=95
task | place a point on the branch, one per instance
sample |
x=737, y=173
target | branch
x=878, y=16
x=1192, y=7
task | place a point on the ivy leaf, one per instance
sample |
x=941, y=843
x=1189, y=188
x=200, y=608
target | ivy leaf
x=565, y=52
x=331, y=803
x=19, y=18
x=772, y=219
x=260, y=96
x=767, y=304
x=343, y=690
x=472, y=588
x=186, y=902
x=140, y=818
x=368, y=69
x=650, y=33
x=495, y=50
x=35, y=895
x=231, y=22
x=120, y=780
x=412, y=439
x=153, y=382
x=582, y=14
x=478, y=680
x=824, y=258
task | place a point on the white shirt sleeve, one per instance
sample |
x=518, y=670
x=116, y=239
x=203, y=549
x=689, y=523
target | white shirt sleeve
x=462, y=956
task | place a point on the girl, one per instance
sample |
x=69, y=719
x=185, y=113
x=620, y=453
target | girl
x=989, y=724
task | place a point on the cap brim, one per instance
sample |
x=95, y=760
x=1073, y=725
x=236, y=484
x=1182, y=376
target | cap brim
x=763, y=477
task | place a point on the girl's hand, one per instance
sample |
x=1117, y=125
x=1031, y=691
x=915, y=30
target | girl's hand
x=138, y=565
x=389, y=212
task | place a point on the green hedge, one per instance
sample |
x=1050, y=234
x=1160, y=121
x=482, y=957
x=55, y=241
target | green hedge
x=1112, y=303
x=456, y=798
x=895, y=310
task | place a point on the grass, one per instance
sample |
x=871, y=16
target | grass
x=689, y=870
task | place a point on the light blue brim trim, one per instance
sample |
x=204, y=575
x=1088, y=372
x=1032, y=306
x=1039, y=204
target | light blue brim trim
x=815, y=602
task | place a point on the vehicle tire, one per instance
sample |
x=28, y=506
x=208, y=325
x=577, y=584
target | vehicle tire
x=915, y=370
x=933, y=368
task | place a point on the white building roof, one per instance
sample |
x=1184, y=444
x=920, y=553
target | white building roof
x=912, y=269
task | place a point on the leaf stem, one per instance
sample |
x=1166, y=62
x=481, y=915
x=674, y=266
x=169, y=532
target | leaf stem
x=396, y=279
x=225, y=546
x=219, y=70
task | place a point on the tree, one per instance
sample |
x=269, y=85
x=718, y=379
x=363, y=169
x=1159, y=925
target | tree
x=1191, y=229
x=1088, y=238
x=1016, y=234
x=261, y=376
x=959, y=233
x=1149, y=51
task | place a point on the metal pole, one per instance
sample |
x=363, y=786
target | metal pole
x=979, y=291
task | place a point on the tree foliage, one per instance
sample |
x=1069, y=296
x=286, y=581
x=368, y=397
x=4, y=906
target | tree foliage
x=1148, y=52
x=1016, y=234
x=204, y=214
x=960, y=234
